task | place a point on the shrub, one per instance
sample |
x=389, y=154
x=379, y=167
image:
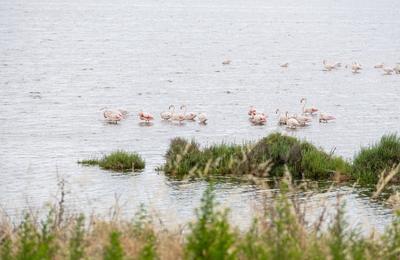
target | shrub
x=114, y=250
x=269, y=156
x=211, y=236
x=120, y=161
x=372, y=160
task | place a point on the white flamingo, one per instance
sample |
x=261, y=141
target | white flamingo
x=147, y=117
x=226, y=62
x=285, y=65
x=355, y=67
x=325, y=118
x=303, y=120
x=188, y=116
x=202, y=118
x=329, y=67
x=259, y=119
x=292, y=123
x=112, y=116
x=178, y=117
x=387, y=71
x=307, y=110
x=379, y=66
x=166, y=115
x=282, y=117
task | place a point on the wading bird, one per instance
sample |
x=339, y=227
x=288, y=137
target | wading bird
x=202, y=118
x=112, y=116
x=166, y=115
x=282, y=118
x=307, y=110
x=325, y=118
x=387, y=71
x=188, y=116
x=252, y=111
x=259, y=119
x=147, y=117
x=292, y=123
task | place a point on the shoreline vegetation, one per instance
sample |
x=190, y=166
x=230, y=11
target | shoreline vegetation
x=269, y=156
x=118, y=161
x=280, y=231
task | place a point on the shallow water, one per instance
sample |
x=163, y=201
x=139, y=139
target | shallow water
x=62, y=61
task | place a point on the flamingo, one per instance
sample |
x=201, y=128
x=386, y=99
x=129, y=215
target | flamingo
x=177, y=117
x=259, y=119
x=292, y=123
x=202, y=118
x=303, y=120
x=379, y=66
x=147, y=117
x=329, y=67
x=252, y=111
x=308, y=110
x=166, y=115
x=355, y=67
x=324, y=118
x=282, y=117
x=112, y=116
x=387, y=71
x=188, y=116
x=285, y=65
x=226, y=62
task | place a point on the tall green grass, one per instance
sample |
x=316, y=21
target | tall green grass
x=371, y=161
x=280, y=232
x=120, y=161
x=269, y=156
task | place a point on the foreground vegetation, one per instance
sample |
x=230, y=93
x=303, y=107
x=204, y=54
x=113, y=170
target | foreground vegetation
x=120, y=161
x=280, y=233
x=270, y=156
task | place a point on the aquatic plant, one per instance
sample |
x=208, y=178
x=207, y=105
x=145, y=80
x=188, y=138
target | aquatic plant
x=280, y=232
x=380, y=157
x=120, y=161
x=269, y=156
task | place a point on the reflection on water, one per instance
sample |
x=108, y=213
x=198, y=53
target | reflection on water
x=61, y=62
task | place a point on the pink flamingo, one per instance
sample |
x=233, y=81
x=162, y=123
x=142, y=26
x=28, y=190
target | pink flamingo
x=324, y=118
x=145, y=116
x=113, y=116
x=166, y=115
x=259, y=119
x=190, y=115
x=307, y=110
x=252, y=111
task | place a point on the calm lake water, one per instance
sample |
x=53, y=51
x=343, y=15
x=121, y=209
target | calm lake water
x=62, y=61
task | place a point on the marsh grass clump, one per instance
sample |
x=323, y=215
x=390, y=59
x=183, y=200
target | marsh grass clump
x=269, y=156
x=369, y=163
x=120, y=161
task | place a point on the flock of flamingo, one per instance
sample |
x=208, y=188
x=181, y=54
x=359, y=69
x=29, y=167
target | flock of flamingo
x=356, y=67
x=291, y=121
x=116, y=115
